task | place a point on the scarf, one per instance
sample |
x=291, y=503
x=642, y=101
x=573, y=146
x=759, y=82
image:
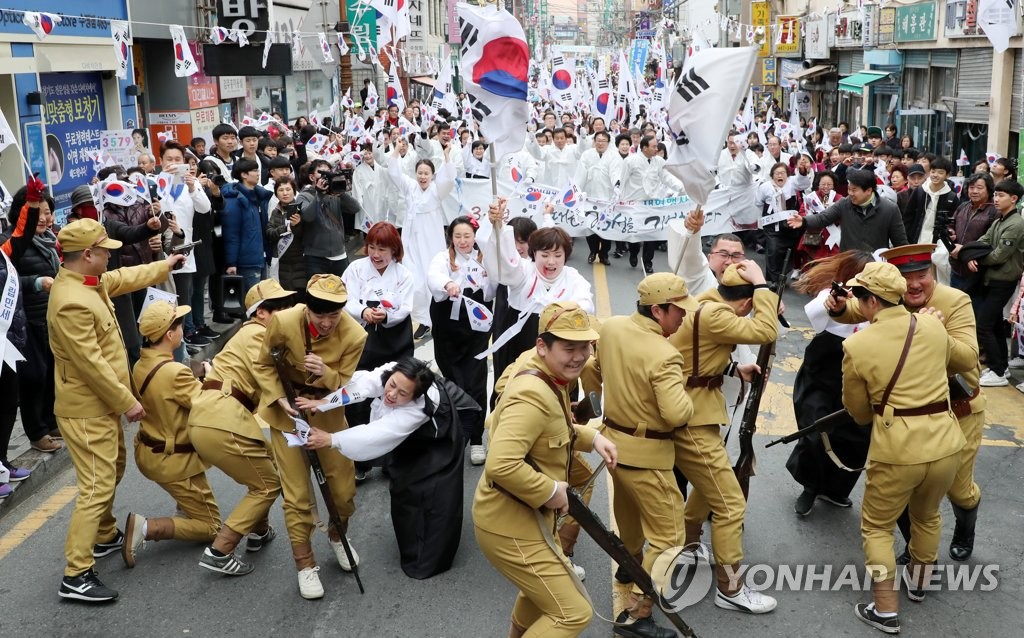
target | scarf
x=46, y=242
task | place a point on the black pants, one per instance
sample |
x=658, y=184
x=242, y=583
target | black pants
x=324, y=266
x=36, y=386
x=455, y=348
x=775, y=263
x=599, y=246
x=993, y=330
x=183, y=286
x=648, y=254
x=8, y=407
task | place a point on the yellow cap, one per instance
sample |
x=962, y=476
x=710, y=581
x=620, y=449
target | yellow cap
x=910, y=258
x=327, y=287
x=566, y=320
x=665, y=287
x=732, y=276
x=85, y=233
x=157, y=318
x=883, y=280
x=266, y=289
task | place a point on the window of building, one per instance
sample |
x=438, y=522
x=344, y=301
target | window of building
x=943, y=83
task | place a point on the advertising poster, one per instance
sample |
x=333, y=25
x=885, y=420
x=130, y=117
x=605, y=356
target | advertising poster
x=74, y=117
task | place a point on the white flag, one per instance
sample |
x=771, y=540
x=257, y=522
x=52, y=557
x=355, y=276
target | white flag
x=372, y=99
x=480, y=317
x=704, y=101
x=141, y=184
x=395, y=94
x=218, y=35
x=237, y=35
x=117, y=192
x=41, y=23
x=604, y=99
x=563, y=81
x=325, y=48
x=266, y=47
x=997, y=18
x=495, y=61
x=6, y=134
x=444, y=95
x=342, y=45
x=317, y=143
x=184, y=64
x=121, y=35
x=396, y=14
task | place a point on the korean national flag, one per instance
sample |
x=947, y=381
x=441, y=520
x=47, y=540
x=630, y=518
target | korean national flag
x=480, y=317
x=184, y=64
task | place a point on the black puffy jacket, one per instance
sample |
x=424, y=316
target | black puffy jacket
x=14, y=242
x=35, y=263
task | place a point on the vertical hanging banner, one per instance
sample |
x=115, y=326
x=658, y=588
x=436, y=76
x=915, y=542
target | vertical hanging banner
x=638, y=56
x=787, y=36
x=761, y=17
x=184, y=64
x=121, y=35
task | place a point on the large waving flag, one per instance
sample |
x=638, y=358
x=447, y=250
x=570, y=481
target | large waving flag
x=627, y=88
x=604, y=99
x=703, y=103
x=444, y=95
x=396, y=14
x=563, y=81
x=495, y=61
x=41, y=23
x=395, y=94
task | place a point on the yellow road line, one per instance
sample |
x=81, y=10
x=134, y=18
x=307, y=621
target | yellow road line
x=602, y=298
x=31, y=523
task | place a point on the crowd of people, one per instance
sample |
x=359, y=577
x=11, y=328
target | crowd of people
x=274, y=212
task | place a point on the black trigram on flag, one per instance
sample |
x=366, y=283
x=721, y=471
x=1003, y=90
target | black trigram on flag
x=478, y=108
x=691, y=85
x=469, y=34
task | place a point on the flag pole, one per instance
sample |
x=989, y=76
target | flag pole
x=494, y=194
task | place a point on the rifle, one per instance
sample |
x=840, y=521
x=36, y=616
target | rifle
x=824, y=425
x=613, y=546
x=277, y=354
x=745, y=463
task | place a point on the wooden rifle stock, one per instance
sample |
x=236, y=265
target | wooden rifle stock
x=277, y=354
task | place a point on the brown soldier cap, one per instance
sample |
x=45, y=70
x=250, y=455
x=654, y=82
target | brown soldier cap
x=910, y=258
x=327, y=287
x=566, y=320
x=883, y=280
x=266, y=289
x=665, y=287
x=157, y=318
x=85, y=233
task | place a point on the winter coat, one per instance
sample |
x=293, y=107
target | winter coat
x=291, y=267
x=243, y=222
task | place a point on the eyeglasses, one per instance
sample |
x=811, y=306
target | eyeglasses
x=727, y=255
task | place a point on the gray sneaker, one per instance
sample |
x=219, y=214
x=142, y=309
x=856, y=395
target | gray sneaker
x=228, y=565
x=254, y=542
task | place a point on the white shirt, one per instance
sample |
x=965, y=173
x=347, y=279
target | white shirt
x=596, y=174
x=393, y=288
x=184, y=209
x=734, y=171
x=767, y=161
x=559, y=165
x=470, y=274
x=644, y=177
x=367, y=189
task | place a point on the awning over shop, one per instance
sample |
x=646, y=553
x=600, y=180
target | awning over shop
x=425, y=80
x=855, y=83
x=812, y=72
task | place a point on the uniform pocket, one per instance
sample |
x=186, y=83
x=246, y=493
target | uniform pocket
x=558, y=441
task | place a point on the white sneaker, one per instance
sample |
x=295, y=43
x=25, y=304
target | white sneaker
x=1017, y=363
x=309, y=584
x=993, y=380
x=477, y=454
x=746, y=600
x=580, y=572
x=339, y=553
x=1020, y=386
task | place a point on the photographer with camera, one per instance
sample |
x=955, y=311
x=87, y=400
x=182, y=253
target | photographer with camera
x=325, y=204
x=243, y=222
x=284, y=235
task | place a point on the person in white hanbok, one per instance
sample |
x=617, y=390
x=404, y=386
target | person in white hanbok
x=461, y=312
x=423, y=234
x=368, y=187
x=415, y=422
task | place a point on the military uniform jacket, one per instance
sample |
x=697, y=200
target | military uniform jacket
x=529, y=421
x=167, y=400
x=233, y=367
x=90, y=362
x=643, y=389
x=339, y=350
x=871, y=357
x=721, y=330
x=958, y=317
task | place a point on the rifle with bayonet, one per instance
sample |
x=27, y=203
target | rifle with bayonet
x=745, y=463
x=334, y=518
x=825, y=425
x=613, y=546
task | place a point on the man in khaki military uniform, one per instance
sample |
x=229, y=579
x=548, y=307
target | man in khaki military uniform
x=706, y=341
x=957, y=314
x=322, y=346
x=644, y=402
x=94, y=389
x=526, y=476
x=163, y=449
x=226, y=434
x=894, y=378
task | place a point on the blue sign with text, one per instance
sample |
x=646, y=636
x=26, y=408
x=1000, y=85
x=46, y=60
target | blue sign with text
x=74, y=115
x=80, y=18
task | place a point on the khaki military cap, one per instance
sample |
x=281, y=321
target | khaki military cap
x=883, y=280
x=327, y=287
x=85, y=233
x=157, y=318
x=910, y=258
x=732, y=276
x=566, y=320
x=665, y=287
x=266, y=289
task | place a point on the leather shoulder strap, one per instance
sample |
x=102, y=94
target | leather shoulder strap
x=152, y=373
x=305, y=334
x=696, y=342
x=533, y=372
x=902, y=361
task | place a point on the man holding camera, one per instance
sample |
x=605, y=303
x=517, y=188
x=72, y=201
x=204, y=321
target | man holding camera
x=325, y=203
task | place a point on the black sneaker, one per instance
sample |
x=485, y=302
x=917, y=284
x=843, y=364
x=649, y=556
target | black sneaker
x=633, y=261
x=623, y=576
x=904, y=558
x=86, y=587
x=804, y=503
x=99, y=550
x=640, y=628
x=208, y=332
x=229, y=565
x=866, y=612
x=255, y=542
x=422, y=332
x=196, y=339
x=220, y=317
x=649, y=267
x=914, y=593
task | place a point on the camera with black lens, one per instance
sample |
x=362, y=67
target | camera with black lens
x=339, y=181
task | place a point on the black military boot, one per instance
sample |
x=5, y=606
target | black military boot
x=962, y=544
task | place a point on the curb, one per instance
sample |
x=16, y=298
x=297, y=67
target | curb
x=48, y=466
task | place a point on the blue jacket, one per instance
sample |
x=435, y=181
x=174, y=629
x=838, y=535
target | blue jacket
x=243, y=222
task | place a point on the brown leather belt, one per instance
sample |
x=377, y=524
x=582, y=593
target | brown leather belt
x=238, y=395
x=159, y=447
x=711, y=383
x=962, y=407
x=648, y=434
x=931, y=408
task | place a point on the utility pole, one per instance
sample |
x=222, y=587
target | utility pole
x=345, y=60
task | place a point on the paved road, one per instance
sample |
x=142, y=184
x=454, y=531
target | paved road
x=168, y=595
